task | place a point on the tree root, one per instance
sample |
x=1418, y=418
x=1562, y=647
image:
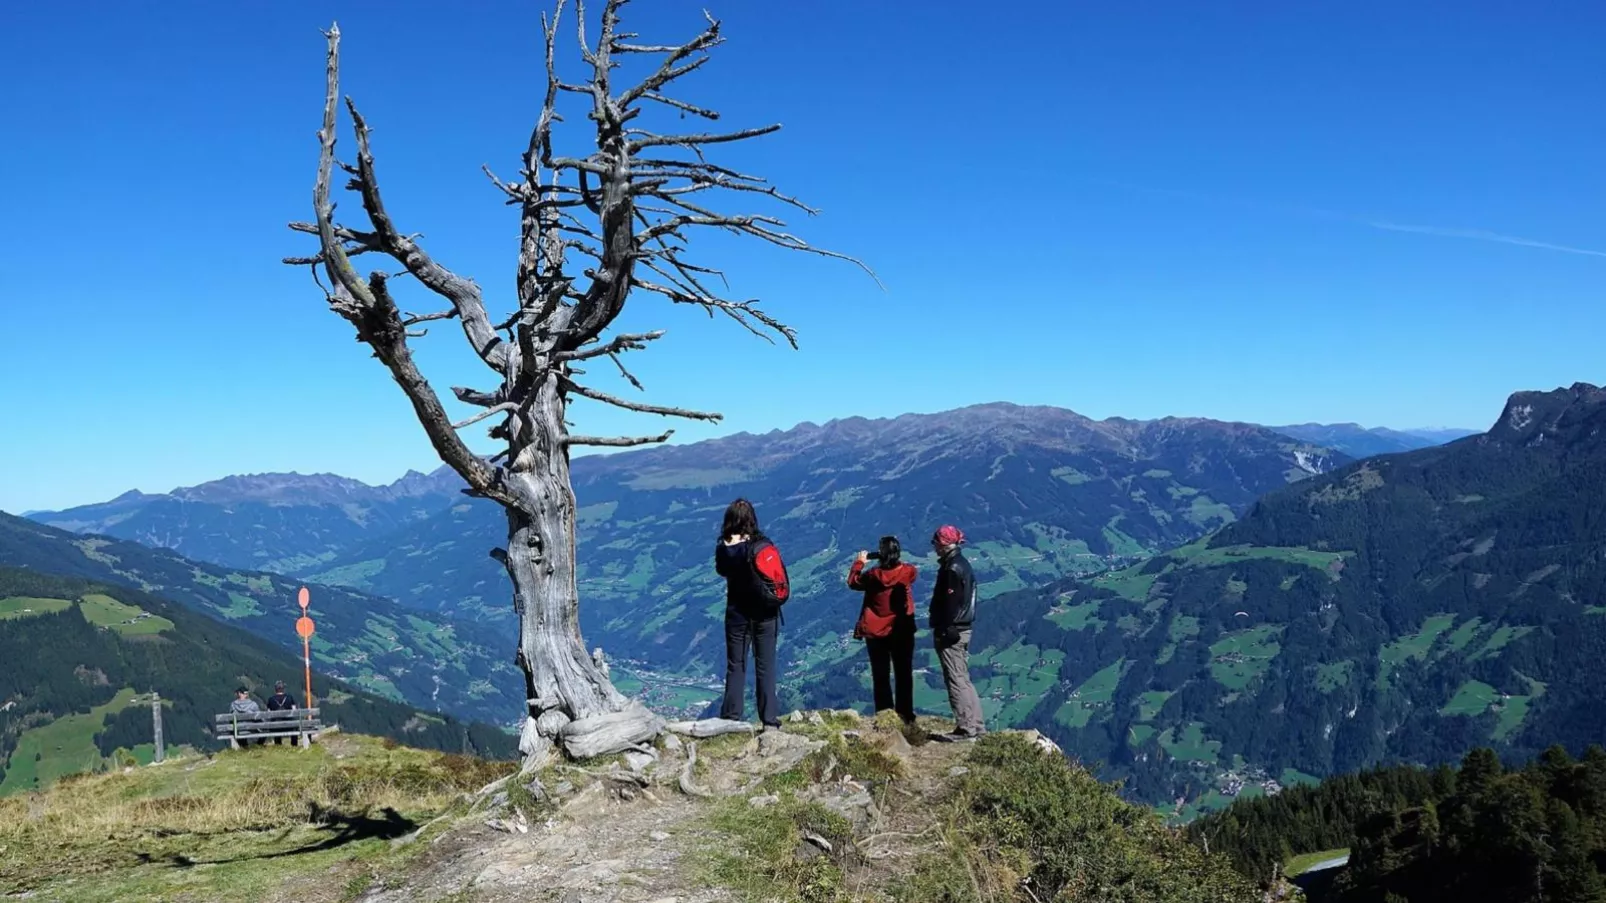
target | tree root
x=408, y=838
x=686, y=785
x=710, y=727
x=615, y=732
x=494, y=786
x=623, y=777
x=474, y=800
x=885, y=835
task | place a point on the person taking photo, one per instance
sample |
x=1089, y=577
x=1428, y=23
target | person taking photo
x=887, y=625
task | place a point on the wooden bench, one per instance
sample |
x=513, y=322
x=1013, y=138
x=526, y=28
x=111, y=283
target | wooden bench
x=301, y=724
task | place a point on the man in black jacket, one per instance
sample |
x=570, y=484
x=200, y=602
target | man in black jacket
x=953, y=611
x=280, y=701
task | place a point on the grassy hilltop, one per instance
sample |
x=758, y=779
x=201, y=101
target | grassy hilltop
x=831, y=810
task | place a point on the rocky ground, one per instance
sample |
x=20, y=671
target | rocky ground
x=643, y=828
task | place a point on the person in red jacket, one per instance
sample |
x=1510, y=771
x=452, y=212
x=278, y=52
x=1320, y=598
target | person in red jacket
x=887, y=625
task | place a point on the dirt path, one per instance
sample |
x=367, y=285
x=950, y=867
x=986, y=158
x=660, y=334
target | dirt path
x=599, y=851
x=601, y=846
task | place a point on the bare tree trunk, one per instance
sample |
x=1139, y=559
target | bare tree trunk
x=650, y=190
x=568, y=694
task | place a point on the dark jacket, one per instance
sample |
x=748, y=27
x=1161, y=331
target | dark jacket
x=280, y=702
x=953, y=600
x=888, y=603
x=735, y=564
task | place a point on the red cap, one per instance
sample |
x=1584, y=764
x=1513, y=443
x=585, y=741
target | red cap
x=948, y=535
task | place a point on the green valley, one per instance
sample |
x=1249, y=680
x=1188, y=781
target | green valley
x=1032, y=485
x=411, y=656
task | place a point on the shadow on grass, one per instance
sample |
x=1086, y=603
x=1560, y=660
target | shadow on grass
x=343, y=828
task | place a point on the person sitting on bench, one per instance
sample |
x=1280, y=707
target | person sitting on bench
x=280, y=701
x=243, y=704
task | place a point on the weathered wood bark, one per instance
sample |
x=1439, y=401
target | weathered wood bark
x=710, y=727
x=641, y=192
x=569, y=696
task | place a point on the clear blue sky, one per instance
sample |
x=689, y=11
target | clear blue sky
x=1377, y=212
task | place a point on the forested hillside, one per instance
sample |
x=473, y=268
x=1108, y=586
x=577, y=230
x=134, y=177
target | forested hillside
x=1483, y=833
x=422, y=659
x=81, y=658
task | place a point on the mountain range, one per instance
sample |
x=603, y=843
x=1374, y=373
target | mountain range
x=1401, y=608
x=1360, y=442
x=1045, y=492
x=1047, y=497
x=292, y=523
x=283, y=523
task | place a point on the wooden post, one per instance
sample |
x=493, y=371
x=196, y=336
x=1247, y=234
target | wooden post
x=156, y=725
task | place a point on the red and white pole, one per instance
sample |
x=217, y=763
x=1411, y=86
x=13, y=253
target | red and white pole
x=304, y=629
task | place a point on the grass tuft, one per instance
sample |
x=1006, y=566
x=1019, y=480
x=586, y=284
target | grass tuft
x=767, y=857
x=1025, y=819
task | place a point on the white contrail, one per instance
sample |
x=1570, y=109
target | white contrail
x=1480, y=235
x=1385, y=225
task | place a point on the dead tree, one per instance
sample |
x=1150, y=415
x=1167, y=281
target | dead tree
x=595, y=230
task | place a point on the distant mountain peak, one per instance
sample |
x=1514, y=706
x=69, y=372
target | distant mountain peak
x=1532, y=418
x=269, y=487
x=1364, y=442
x=442, y=480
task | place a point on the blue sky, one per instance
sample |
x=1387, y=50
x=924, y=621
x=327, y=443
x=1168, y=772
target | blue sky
x=1376, y=212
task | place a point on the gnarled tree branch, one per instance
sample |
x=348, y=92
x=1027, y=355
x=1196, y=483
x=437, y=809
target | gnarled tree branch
x=619, y=442
x=463, y=294
x=619, y=343
x=368, y=306
x=638, y=407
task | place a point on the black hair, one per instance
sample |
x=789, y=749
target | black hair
x=891, y=551
x=278, y=685
x=740, y=520
x=238, y=690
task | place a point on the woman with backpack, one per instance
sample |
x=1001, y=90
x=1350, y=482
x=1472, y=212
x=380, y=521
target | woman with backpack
x=755, y=589
x=887, y=625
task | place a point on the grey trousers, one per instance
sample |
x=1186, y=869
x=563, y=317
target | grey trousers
x=961, y=694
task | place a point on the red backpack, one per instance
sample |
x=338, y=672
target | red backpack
x=770, y=583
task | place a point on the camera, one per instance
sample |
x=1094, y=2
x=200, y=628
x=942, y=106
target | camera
x=873, y=556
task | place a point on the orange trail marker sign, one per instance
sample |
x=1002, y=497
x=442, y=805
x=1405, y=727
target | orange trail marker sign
x=304, y=629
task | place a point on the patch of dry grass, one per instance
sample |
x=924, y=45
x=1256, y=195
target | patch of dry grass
x=275, y=803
